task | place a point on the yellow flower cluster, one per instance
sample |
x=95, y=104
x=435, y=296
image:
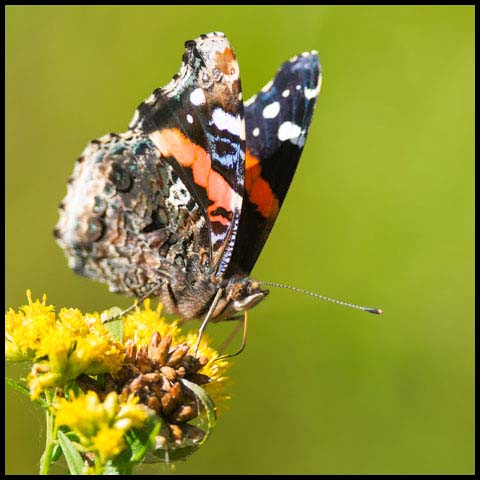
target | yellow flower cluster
x=101, y=426
x=70, y=345
x=25, y=330
x=140, y=325
x=62, y=347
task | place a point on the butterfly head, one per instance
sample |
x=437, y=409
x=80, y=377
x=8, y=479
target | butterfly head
x=241, y=293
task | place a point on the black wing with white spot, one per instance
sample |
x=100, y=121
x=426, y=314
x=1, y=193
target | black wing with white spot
x=277, y=121
x=197, y=123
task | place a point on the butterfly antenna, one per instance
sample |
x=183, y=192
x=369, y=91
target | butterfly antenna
x=377, y=311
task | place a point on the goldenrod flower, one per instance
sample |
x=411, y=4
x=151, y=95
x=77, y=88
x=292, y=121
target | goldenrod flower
x=64, y=347
x=25, y=330
x=108, y=442
x=140, y=325
x=101, y=426
x=152, y=373
x=77, y=345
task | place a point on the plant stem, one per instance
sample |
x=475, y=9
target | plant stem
x=51, y=436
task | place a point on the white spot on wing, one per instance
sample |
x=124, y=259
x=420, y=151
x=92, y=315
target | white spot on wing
x=178, y=194
x=286, y=93
x=288, y=131
x=226, y=121
x=271, y=111
x=267, y=87
x=151, y=99
x=311, y=92
x=298, y=87
x=135, y=118
x=256, y=132
x=250, y=101
x=189, y=118
x=197, y=97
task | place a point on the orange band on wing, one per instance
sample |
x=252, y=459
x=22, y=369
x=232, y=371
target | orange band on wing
x=258, y=189
x=172, y=142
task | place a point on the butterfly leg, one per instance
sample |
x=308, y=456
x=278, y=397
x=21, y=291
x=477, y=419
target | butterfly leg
x=232, y=336
x=131, y=307
x=206, y=319
x=238, y=325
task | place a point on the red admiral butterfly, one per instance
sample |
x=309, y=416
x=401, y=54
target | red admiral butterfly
x=180, y=206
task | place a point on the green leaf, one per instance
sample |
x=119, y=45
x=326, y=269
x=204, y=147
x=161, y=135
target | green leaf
x=23, y=389
x=17, y=386
x=73, y=458
x=71, y=390
x=113, y=324
x=141, y=443
x=120, y=465
x=57, y=449
x=206, y=401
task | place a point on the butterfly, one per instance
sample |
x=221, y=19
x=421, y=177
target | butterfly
x=180, y=206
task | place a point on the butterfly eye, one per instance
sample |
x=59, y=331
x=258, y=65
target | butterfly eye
x=95, y=229
x=121, y=178
x=239, y=291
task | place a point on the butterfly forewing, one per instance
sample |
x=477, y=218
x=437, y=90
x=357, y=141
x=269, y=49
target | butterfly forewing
x=197, y=123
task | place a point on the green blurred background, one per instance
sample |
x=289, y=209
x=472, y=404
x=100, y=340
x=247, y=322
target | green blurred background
x=380, y=212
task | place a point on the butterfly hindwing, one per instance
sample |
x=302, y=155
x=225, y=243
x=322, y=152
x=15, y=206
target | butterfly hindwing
x=197, y=124
x=277, y=120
